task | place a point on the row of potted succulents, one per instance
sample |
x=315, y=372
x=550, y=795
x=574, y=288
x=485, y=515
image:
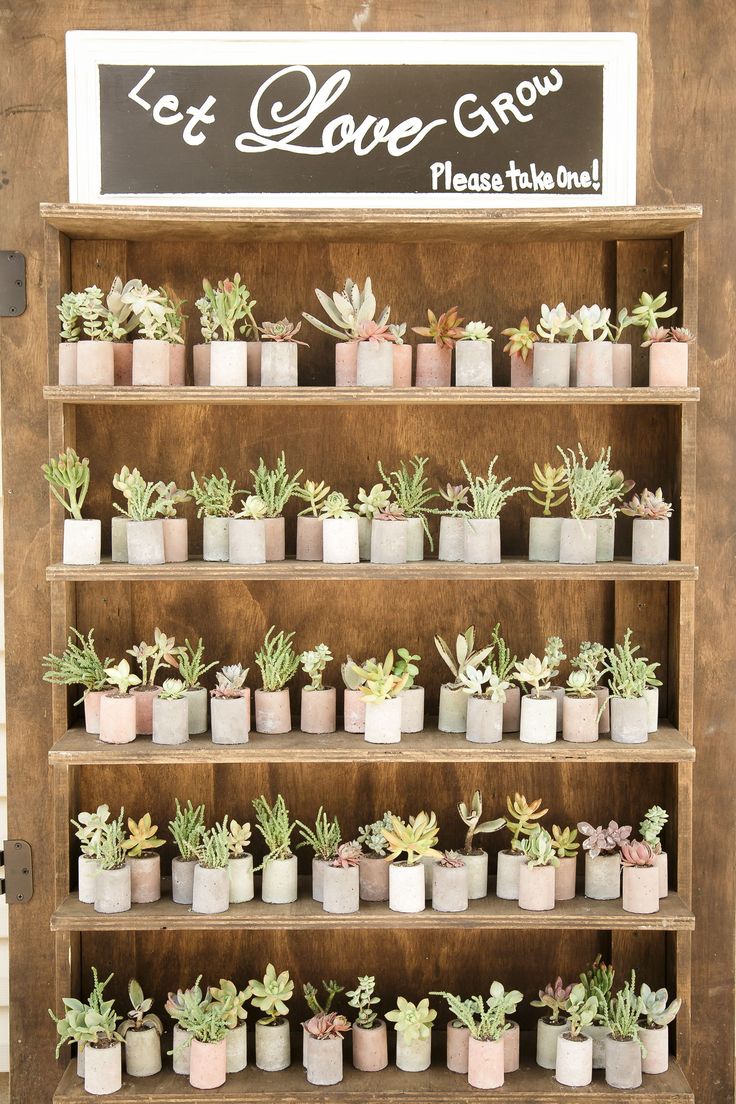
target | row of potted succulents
x=381, y=699
x=587, y=1026
x=387, y=524
x=213, y=869
x=134, y=336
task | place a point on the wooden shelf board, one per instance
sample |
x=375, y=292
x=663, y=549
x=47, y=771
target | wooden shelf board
x=77, y=748
x=372, y=396
x=490, y=912
x=291, y=570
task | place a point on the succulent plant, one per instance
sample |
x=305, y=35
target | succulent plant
x=324, y=838
x=78, y=665
x=238, y=838
x=141, y=837
x=121, y=677
x=274, y=486
x=550, y=483
x=630, y=673
x=363, y=999
x=374, y=332
x=405, y=664
x=230, y=681
x=327, y=1025
x=603, y=840
x=637, y=853
x=379, y=681
x=314, y=495
x=556, y=322
x=522, y=816
x=538, y=848
x=190, y=663
x=336, y=506
x=314, y=663
x=271, y=995
x=484, y=1019
x=594, y=491
x=372, y=502
x=590, y=658
x=348, y=310
x=445, y=330
x=276, y=827
x=590, y=321
x=204, y=1019
x=465, y=655
x=597, y=980
x=650, y=505
x=213, y=847
x=414, y=1021
x=68, y=478
x=622, y=1014
x=565, y=841
x=398, y=331
x=143, y=499
x=452, y=860
x=157, y=313
x=470, y=816
x=352, y=674
x=69, y=311
x=652, y=826
x=173, y=689
x=371, y=836
x=232, y=1001
x=277, y=660
x=186, y=829
x=417, y=838
x=214, y=494
x=580, y=684
x=121, y=312
x=554, y=997
x=477, y=331
x=410, y=489
x=500, y=658
x=456, y=497
x=252, y=508
x=282, y=331
x=582, y=1009
x=108, y=850
x=90, y=1023
x=347, y=855
x=648, y=312
x=331, y=988
x=483, y=683
x=227, y=308
x=181, y=1003
x=169, y=497
x=89, y=828
x=521, y=339
x=162, y=653
x=140, y=1017
x=655, y=1010
x=97, y=323
x=534, y=672
x=488, y=493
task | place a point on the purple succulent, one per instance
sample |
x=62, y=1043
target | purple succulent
x=603, y=840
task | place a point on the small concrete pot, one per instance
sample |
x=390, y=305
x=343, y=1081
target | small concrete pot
x=512, y=710
x=324, y=1057
x=151, y=363
x=275, y=539
x=434, y=365
x=103, y=1067
x=565, y=875
x=279, y=881
x=341, y=889
x=182, y=1048
x=594, y=364
x=656, y=1042
x=207, y=1064
x=598, y=1034
x=196, y=699
x=451, y=548
x=216, y=539
x=95, y=364
x=412, y=709
x=92, y=706
x=254, y=351
x=536, y=888
x=210, y=890
x=375, y=364
x=603, y=877
x=413, y=1056
x=170, y=720
x=402, y=355
x=117, y=718
x=82, y=542
x=623, y=1061
x=605, y=539
x=482, y=540
x=318, y=879
x=240, y=878
x=580, y=719
x=544, y=539
x=388, y=541
x=474, y=364
x=574, y=1061
x=484, y=721
x=279, y=364
x=578, y=541
x=353, y=708
x=346, y=364
x=485, y=1063
x=182, y=880
x=176, y=540
x=273, y=1046
x=414, y=540
x=538, y=719
x=145, y=879
x=551, y=364
x=143, y=1052
x=476, y=864
x=629, y=720
x=522, y=371
x=663, y=874
x=667, y=364
x=651, y=697
x=247, y=541
x=177, y=365
x=511, y=1043
x=236, y=1049
x=650, y=541
x=112, y=890
x=507, y=875
x=144, y=697
x=370, y=1044
x=146, y=542
x=273, y=711
x=383, y=721
x=119, y=539
x=458, y=1038
x=201, y=364
x=67, y=375
x=603, y=698
x=406, y=891
x=548, y=1032
x=640, y=889
x=228, y=364
x=558, y=693
x=365, y=533
x=230, y=719
x=374, y=872
x=340, y=543
x=449, y=888
x=621, y=365
x=453, y=709
x=86, y=876
x=319, y=710
x=428, y=862
x=309, y=538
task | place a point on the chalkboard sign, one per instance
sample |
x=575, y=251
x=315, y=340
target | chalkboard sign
x=340, y=120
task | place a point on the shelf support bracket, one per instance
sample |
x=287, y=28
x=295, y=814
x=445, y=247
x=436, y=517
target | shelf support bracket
x=16, y=882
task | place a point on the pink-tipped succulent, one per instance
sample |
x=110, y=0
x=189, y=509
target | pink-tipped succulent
x=681, y=333
x=281, y=331
x=445, y=330
x=327, y=1025
x=391, y=513
x=660, y=334
x=637, y=853
x=456, y=494
x=452, y=859
x=521, y=339
x=554, y=997
x=650, y=505
x=375, y=332
x=603, y=840
x=348, y=854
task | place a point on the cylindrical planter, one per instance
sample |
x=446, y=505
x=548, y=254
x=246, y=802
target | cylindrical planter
x=143, y=1052
x=538, y=719
x=370, y=1047
x=201, y=364
x=324, y=1060
x=522, y=371
x=86, y=875
x=663, y=874
x=605, y=539
x=548, y=1032
x=415, y=1055
x=146, y=542
x=640, y=889
x=598, y=1033
x=565, y=878
x=319, y=710
x=482, y=540
x=434, y=365
x=80, y=1060
x=103, y=1067
x=67, y=363
x=375, y=364
x=112, y=890
x=412, y=709
x=176, y=540
x=365, y=530
x=603, y=876
x=428, y=862
x=484, y=721
x=406, y=887
x=383, y=721
x=177, y=364
x=247, y=541
x=650, y=541
x=651, y=697
x=318, y=878
x=402, y=356
x=476, y=865
x=512, y=709
x=95, y=364
x=558, y=693
x=551, y=365
x=623, y=1063
x=511, y=1044
x=230, y=719
x=414, y=540
x=374, y=873
x=228, y=364
x=458, y=1038
x=182, y=880
x=144, y=697
x=667, y=364
x=207, y=1064
x=621, y=365
x=485, y=1063
x=92, y=706
x=594, y=364
x=145, y=879
x=82, y=541
x=279, y=364
x=353, y=710
x=273, y=711
x=309, y=538
x=196, y=700
x=578, y=541
x=182, y=1048
x=170, y=720
x=346, y=364
x=453, y=709
x=544, y=539
x=580, y=719
x=275, y=539
x=656, y=1042
x=254, y=351
x=236, y=1049
x=273, y=1046
x=216, y=539
x=341, y=889
x=474, y=364
x=536, y=888
x=279, y=881
x=119, y=539
x=629, y=720
x=388, y=541
x=507, y=875
x=574, y=1062
x=451, y=548
x=151, y=363
x=117, y=718
x=340, y=540
x=449, y=888
x=240, y=878
x=210, y=890
x=603, y=698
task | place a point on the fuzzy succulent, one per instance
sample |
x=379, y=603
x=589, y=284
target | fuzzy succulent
x=488, y=494
x=416, y=838
x=637, y=853
x=324, y=838
x=140, y=1017
x=213, y=850
x=622, y=1014
x=414, y=1021
x=409, y=487
x=90, y=1023
x=213, y=494
x=601, y=840
x=371, y=836
x=189, y=661
x=554, y=998
x=186, y=828
x=363, y=999
x=78, y=665
x=271, y=995
x=594, y=490
x=275, y=825
x=650, y=505
x=444, y=330
x=521, y=339
x=652, y=826
x=327, y=1025
x=274, y=486
x=630, y=673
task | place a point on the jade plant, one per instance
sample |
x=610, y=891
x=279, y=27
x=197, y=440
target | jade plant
x=488, y=493
x=465, y=655
x=554, y=997
x=213, y=847
x=364, y=1000
x=78, y=665
x=186, y=829
x=88, y=1024
x=213, y=494
x=371, y=836
x=324, y=838
x=594, y=490
x=276, y=827
x=226, y=310
x=274, y=486
x=410, y=490
x=603, y=841
x=444, y=329
x=271, y=995
x=413, y=1021
x=416, y=838
x=349, y=311
x=141, y=837
x=277, y=660
x=68, y=478
x=521, y=339
x=550, y=485
x=314, y=495
x=314, y=663
x=140, y=1017
x=471, y=815
x=522, y=818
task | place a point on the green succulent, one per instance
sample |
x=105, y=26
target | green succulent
x=413, y=1021
x=271, y=996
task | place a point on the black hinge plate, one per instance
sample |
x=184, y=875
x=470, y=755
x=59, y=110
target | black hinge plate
x=12, y=283
x=17, y=882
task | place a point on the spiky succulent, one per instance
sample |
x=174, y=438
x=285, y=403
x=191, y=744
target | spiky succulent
x=190, y=663
x=470, y=816
x=488, y=493
x=550, y=483
x=594, y=491
x=597, y=980
x=78, y=665
x=214, y=494
x=500, y=659
x=88, y=1024
x=271, y=995
x=212, y=850
x=410, y=489
x=465, y=654
x=554, y=997
x=274, y=486
x=276, y=827
x=143, y=499
x=521, y=339
x=415, y=838
x=324, y=838
x=650, y=505
x=277, y=660
x=413, y=1021
x=621, y=1016
x=444, y=330
x=522, y=817
x=186, y=829
x=603, y=841
x=629, y=671
x=108, y=849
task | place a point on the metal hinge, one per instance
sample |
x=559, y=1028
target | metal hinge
x=17, y=880
x=12, y=283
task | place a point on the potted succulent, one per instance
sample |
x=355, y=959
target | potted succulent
x=324, y=840
x=278, y=663
x=640, y=877
x=453, y=712
x=648, y=314
x=434, y=357
x=475, y=858
x=412, y=695
x=369, y=505
x=374, y=870
x=211, y=883
x=162, y=653
x=68, y=478
x=650, y=531
x=93, y=1027
x=656, y=1016
x=340, y=537
x=80, y=665
x=171, y=713
x=520, y=823
x=247, y=532
x=580, y=708
x=123, y=322
x=370, y=1042
x=389, y=534
x=402, y=356
x=502, y=663
x=353, y=700
x=95, y=360
x=450, y=883
x=590, y=659
x=451, y=547
x=341, y=890
x=554, y=999
x=410, y=490
x=416, y=838
x=520, y=348
x=275, y=487
x=214, y=496
x=89, y=829
x=324, y=1053
x=112, y=877
x=482, y=529
x=317, y=1007
x=597, y=981
x=347, y=310
x=176, y=529
x=189, y=661
x=650, y=830
x=240, y=865
x=628, y=704
x=594, y=355
x=512, y=1031
x=413, y=1027
x=668, y=356
x=381, y=691
x=487, y=695
x=587, y=536
x=280, y=353
x=144, y=528
x=186, y=829
x=539, y=707
x=537, y=872
x=205, y=1023
x=565, y=844
x=375, y=366
x=308, y=522
x=318, y=702
x=230, y=706
x=474, y=356
x=485, y=1021
x=623, y=1044
x=142, y=1030
x=224, y=311
x=180, y=1006
x=70, y=318
x=232, y=1001
x=271, y=996
x=574, y=1053
x=279, y=866
x=550, y=486
x=603, y=859
x=118, y=706
x=145, y=865
x=551, y=363
x=159, y=320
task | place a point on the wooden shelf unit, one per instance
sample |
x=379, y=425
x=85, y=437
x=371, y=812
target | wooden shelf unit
x=416, y=258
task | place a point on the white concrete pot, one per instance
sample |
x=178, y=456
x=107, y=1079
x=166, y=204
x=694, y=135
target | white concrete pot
x=629, y=720
x=603, y=877
x=605, y=539
x=86, y=878
x=484, y=721
x=216, y=539
x=544, y=539
x=474, y=364
x=547, y=1036
x=182, y=1048
x=476, y=865
x=449, y=888
x=412, y=709
x=231, y=719
x=507, y=875
x=341, y=890
x=482, y=537
x=247, y=541
x=650, y=541
x=142, y=1052
x=598, y=1033
x=240, y=877
x=453, y=709
x=414, y=540
x=340, y=540
x=375, y=364
x=196, y=700
x=103, y=1069
x=210, y=890
x=389, y=541
x=236, y=1047
x=279, y=364
x=414, y=1056
x=574, y=1062
x=113, y=890
x=383, y=721
x=170, y=720
x=365, y=529
x=551, y=366
x=82, y=542
x=228, y=364
x=324, y=1060
x=406, y=891
x=578, y=541
x=538, y=719
x=623, y=1063
x=651, y=697
x=119, y=539
x=182, y=880
x=452, y=539
x=279, y=881
x=318, y=878
x=146, y=542
x=273, y=1046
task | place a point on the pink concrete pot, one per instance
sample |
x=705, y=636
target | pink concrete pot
x=370, y=1044
x=95, y=364
x=208, y=1064
x=309, y=538
x=176, y=540
x=434, y=365
x=145, y=879
x=522, y=371
x=319, y=709
x=594, y=364
x=143, y=699
x=353, y=711
x=253, y=356
x=117, y=718
x=641, y=889
x=67, y=374
x=580, y=719
x=485, y=1063
x=565, y=878
x=273, y=711
x=402, y=365
x=511, y=1042
x=458, y=1038
x=512, y=709
x=667, y=364
x=201, y=364
x=275, y=539
x=621, y=365
x=374, y=873
x=536, y=888
x=150, y=363
x=346, y=364
x=92, y=704
x=177, y=365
